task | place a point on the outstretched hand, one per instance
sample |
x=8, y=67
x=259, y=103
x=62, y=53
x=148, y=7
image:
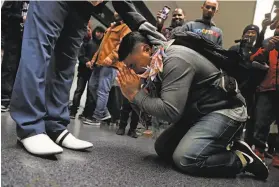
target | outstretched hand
x=129, y=82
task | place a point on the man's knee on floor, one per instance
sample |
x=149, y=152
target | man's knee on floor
x=187, y=161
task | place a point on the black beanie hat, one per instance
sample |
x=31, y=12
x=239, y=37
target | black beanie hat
x=252, y=27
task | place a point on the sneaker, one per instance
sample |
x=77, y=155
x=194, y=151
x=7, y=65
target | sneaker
x=82, y=117
x=72, y=115
x=120, y=131
x=275, y=161
x=255, y=165
x=92, y=121
x=132, y=133
x=5, y=108
x=105, y=118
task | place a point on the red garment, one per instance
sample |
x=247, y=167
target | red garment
x=271, y=81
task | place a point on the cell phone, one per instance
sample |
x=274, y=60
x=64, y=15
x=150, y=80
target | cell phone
x=268, y=16
x=165, y=12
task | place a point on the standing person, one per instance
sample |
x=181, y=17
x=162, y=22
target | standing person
x=103, y=74
x=267, y=107
x=89, y=47
x=52, y=37
x=178, y=19
x=251, y=41
x=205, y=27
x=13, y=16
x=126, y=109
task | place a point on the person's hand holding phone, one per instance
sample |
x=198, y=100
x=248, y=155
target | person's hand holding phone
x=272, y=43
x=266, y=22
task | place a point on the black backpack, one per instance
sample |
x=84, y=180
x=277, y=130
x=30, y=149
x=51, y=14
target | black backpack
x=248, y=75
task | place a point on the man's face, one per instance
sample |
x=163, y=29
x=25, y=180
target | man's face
x=177, y=18
x=99, y=35
x=96, y=3
x=139, y=59
x=209, y=9
x=116, y=17
x=251, y=36
x=89, y=31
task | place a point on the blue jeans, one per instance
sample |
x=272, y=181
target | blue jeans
x=200, y=149
x=53, y=34
x=100, y=83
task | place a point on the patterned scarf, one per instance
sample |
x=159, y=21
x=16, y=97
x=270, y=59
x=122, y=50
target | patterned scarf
x=156, y=64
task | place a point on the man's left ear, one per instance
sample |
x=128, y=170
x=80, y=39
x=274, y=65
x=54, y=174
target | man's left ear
x=147, y=48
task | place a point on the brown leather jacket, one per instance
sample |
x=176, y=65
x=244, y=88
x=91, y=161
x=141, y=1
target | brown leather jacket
x=110, y=44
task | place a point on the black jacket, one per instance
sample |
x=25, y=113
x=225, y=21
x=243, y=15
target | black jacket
x=12, y=19
x=86, y=51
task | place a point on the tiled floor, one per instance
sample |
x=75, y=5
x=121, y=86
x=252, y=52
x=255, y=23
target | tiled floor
x=114, y=161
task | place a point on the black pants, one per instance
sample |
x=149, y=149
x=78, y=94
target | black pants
x=266, y=111
x=250, y=123
x=84, y=74
x=115, y=102
x=124, y=115
x=11, y=58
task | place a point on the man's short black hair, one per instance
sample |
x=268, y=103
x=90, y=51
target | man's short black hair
x=99, y=29
x=129, y=42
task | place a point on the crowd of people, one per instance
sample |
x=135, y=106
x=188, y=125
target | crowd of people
x=144, y=70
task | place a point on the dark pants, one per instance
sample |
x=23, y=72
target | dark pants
x=84, y=74
x=250, y=123
x=12, y=48
x=115, y=102
x=53, y=34
x=126, y=109
x=200, y=149
x=266, y=111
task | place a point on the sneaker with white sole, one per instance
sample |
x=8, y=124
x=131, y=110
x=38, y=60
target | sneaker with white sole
x=255, y=165
x=41, y=144
x=92, y=121
x=66, y=139
x=5, y=108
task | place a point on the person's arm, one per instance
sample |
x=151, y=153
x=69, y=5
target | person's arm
x=260, y=38
x=260, y=56
x=234, y=48
x=114, y=53
x=129, y=14
x=8, y=14
x=274, y=23
x=82, y=55
x=177, y=77
x=160, y=22
x=91, y=50
x=220, y=38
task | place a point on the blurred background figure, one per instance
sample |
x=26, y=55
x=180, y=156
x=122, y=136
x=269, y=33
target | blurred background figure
x=205, y=26
x=267, y=107
x=13, y=18
x=103, y=74
x=178, y=19
x=89, y=47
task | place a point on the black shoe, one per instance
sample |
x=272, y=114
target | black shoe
x=120, y=131
x=5, y=108
x=82, y=117
x=132, y=133
x=72, y=115
x=254, y=164
x=92, y=121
